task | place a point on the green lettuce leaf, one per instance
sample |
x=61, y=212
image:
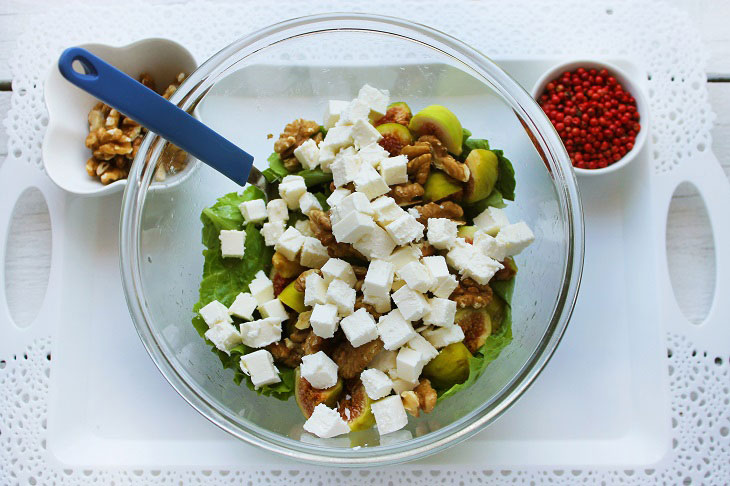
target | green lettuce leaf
x=276, y=172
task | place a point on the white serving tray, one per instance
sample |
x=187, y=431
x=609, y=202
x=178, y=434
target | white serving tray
x=602, y=401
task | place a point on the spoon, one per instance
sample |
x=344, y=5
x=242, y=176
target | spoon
x=158, y=115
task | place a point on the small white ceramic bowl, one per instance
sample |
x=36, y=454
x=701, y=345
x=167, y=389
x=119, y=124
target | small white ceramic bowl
x=629, y=85
x=64, y=151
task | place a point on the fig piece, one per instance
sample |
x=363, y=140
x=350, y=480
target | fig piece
x=477, y=326
x=398, y=112
x=292, y=298
x=467, y=232
x=395, y=137
x=484, y=169
x=449, y=368
x=354, y=406
x=440, y=186
x=309, y=397
x=496, y=308
x=439, y=121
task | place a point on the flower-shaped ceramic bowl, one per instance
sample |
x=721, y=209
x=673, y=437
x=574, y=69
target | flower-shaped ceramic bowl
x=64, y=151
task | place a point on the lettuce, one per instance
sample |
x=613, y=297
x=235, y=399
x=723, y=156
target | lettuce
x=277, y=171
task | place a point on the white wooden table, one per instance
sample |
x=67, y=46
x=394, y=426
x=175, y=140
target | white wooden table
x=689, y=238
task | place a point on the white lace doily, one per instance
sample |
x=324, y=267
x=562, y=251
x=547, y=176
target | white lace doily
x=666, y=46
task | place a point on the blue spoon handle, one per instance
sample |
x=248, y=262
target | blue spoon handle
x=155, y=113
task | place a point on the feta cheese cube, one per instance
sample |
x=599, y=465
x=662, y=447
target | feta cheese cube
x=214, y=312
x=481, y=268
x=374, y=98
x=340, y=270
x=324, y=320
x=340, y=294
x=355, y=110
x=364, y=133
x=445, y=287
x=326, y=422
x=400, y=385
x=514, y=238
x=259, y=365
x=412, y=304
x=488, y=245
x=326, y=157
x=224, y=336
x=384, y=361
x=352, y=227
x=373, y=154
x=369, y=182
x=277, y=210
x=359, y=328
x=253, y=211
x=422, y=346
x=375, y=244
x=291, y=189
x=394, y=330
x=272, y=231
x=405, y=230
x=261, y=288
x=491, y=220
x=441, y=312
x=379, y=278
x=308, y=154
x=314, y=253
x=436, y=266
x=394, y=170
x=381, y=303
x=416, y=276
x=390, y=415
x=443, y=336
x=441, y=233
x=304, y=228
x=460, y=254
x=257, y=334
x=319, y=370
x=332, y=112
x=409, y=364
x=243, y=306
x=356, y=201
x=337, y=137
x=403, y=256
x=338, y=195
x=386, y=210
x=376, y=383
x=315, y=290
x=345, y=169
x=307, y=202
x=273, y=308
x=290, y=243
x=233, y=243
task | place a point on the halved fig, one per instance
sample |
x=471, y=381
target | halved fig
x=395, y=137
x=466, y=232
x=309, y=397
x=354, y=406
x=496, y=309
x=398, y=112
x=477, y=326
x=439, y=121
x=484, y=169
x=440, y=186
x=292, y=298
x=449, y=368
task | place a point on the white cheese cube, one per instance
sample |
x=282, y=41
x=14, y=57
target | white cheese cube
x=224, y=336
x=375, y=98
x=394, y=330
x=259, y=365
x=364, y=133
x=332, y=112
x=273, y=308
x=233, y=243
x=356, y=201
x=261, y=288
x=436, y=266
x=290, y=243
x=386, y=210
x=277, y=211
x=445, y=287
x=272, y=231
x=460, y=254
x=359, y=328
x=307, y=202
x=377, y=384
x=390, y=415
x=416, y=276
x=338, y=195
x=355, y=110
x=315, y=290
x=340, y=294
x=487, y=245
x=304, y=227
x=481, y=268
x=394, y=170
x=412, y=304
x=405, y=230
x=324, y=320
x=441, y=312
x=397, y=284
x=326, y=422
x=379, y=278
x=443, y=336
x=491, y=220
x=253, y=211
x=214, y=312
x=403, y=256
x=319, y=370
x=384, y=361
x=409, y=364
x=369, y=182
x=441, y=233
x=514, y=238
x=314, y=253
x=423, y=347
x=257, y=334
x=375, y=244
x=326, y=157
x=373, y=154
x=345, y=168
x=308, y=154
x=352, y=227
x=400, y=385
x=381, y=303
x=291, y=189
x=337, y=137
x=243, y=306
x=340, y=270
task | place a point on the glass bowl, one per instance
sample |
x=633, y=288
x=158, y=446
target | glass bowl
x=253, y=88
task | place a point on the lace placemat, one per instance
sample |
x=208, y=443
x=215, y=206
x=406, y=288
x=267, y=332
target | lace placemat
x=656, y=37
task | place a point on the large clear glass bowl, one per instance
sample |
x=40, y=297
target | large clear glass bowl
x=254, y=87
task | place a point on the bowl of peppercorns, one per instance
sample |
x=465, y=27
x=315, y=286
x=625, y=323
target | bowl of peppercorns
x=598, y=111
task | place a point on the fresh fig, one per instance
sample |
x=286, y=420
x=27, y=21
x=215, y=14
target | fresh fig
x=398, y=112
x=496, y=310
x=477, y=326
x=439, y=121
x=309, y=397
x=354, y=406
x=440, y=186
x=395, y=137
x=292, y=298
x=466, y=231
x=483, y=171
x=449, y=368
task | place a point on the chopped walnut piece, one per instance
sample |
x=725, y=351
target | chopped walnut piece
x=444, y=209
x=303, y=320
x=349, y=186
x=289, y=356
x=352, y=361
x=319, y=221
x=360, y=304
x=294, y=134
x=314, y=344
x=286, y=268
x=410, y=402
x=292, y=164
x=426, y=395
x=419, y=168
x=508, y=272
x=300, y=283
x=147, y=80
x=427, y=249
x=471, y=294
x=442, y=160
x=406, y=193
